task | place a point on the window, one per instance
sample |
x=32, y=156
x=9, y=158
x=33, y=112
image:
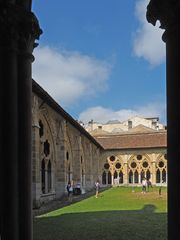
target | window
x=112, y=158
x=43, y=176
x=104, y=178
x=49, y=176
x=41, y=129
x=46, y=148
x=129, y=124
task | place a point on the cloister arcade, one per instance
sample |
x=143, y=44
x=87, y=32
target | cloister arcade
x=120, y=170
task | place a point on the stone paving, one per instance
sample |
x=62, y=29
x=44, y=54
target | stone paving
x=56, y=204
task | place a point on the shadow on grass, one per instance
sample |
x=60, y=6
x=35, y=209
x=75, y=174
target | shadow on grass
x=142, y=224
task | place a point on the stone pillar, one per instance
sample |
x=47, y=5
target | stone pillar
x=133, y=178
x=46, y=178
x=36, y=178
x=112, y=179
x=88, y=158
x=125, y=174
x=153, y=173
x=76, y=161
x=61, y=171
x=168, y=13
x=19, y=29
x=36, y=164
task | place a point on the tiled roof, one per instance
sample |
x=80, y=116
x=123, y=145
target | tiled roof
x=132, y=141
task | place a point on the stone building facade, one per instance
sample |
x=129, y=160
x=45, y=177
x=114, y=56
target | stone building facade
x=115, y=126
x=62, y=151
x=130, y=156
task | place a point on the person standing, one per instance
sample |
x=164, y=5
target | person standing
x=144, y=185
x=97, y=186
x=69, y=191
x=149, y=184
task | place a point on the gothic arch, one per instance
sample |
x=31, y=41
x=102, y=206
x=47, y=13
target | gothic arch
x=139, y=166
x=161, y=168
x=47, y=154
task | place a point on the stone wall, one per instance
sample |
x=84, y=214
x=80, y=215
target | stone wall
x=60, y=153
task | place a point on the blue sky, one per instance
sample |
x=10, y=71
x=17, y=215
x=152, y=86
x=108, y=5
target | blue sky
x=100, y=59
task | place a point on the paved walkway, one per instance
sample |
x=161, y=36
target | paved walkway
x=56, y=204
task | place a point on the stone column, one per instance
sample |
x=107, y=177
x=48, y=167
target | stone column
x=19, y=29
x=36, y=183
x=168, y=13
x=153, y=173
x=133, y=178
x=46, y=176
x=139, y=178
x=61, y=171
x=112, y=179
x=36, y=163
x=125, y=173
x=77, y=159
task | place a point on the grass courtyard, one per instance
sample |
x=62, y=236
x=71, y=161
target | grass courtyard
x=118, y=214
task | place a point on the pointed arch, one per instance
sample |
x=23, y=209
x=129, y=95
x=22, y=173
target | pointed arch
x=158, y=176
x=104, y=178
x=136, y=176
x=130, y=176
x=121, y=177
x=43, y=178
x=49, y=170
x=109, y=178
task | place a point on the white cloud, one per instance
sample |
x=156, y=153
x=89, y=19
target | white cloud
x=148, y=42
x=103, y=115
x=69, y=76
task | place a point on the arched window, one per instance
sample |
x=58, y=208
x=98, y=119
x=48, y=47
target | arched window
x=164, y=175
x=121, y=177
x=46, y=148
x=130, y=177
x=67, y=156
x=142, y=175
x=109, y=178
x=115, y=175
x=43, y=182
x=148, y=175
x=136, y=176
x=158, y=176
x=49, y=176
x=104, y=178
x=41, y=129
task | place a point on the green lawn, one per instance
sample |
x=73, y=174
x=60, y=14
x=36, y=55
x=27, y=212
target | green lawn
x=118, y=214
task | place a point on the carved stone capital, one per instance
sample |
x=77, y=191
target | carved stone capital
x=167, y=12
x=19, y=29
